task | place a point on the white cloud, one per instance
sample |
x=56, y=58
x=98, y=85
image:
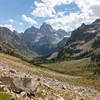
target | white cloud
x=20, y=23
x=89, y=11
x=43, y=10
x=90, y=7
x=8, y=26
x=46, y=8
x=28, y=19
x=54, y=3
x=86, y=6
x=95, y=8
x=11, y=20
x=69, y=22
x=60, y=14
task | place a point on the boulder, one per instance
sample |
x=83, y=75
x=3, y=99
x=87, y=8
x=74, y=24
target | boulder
x=18, y=85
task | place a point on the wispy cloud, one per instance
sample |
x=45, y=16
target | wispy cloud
x=11, y=20
x=28, y=19
x=20, y=23
x=89, y=11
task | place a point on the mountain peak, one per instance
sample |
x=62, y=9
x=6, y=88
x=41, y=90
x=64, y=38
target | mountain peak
x=32, y=30
x=46, y=28
x=83, y=24
x=33, y=27
x=96, y=21
x=61, y=30
x=6, y=29
x=45, y=25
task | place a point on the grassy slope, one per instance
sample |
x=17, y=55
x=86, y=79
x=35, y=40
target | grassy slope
x=5, y=96
x=75, y=67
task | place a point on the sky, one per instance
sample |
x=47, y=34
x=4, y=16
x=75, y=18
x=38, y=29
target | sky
x=61, y=14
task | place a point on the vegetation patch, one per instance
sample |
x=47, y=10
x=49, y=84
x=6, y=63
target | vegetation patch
x=5, y=96
x=73, y=67
x=40, y=95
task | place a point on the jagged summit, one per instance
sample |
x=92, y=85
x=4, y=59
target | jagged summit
x=32, y=30
x=44, y=40
x=98, y=21
x=46, y=28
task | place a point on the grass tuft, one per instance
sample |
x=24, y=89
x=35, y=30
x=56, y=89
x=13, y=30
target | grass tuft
x=5, y=96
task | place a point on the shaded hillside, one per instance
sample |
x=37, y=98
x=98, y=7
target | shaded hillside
x=83, y=42
x=10, y=43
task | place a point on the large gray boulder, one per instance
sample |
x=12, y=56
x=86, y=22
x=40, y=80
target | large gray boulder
x=18, y=85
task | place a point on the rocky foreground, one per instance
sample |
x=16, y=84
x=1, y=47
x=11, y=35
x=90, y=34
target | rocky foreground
x=26, y=83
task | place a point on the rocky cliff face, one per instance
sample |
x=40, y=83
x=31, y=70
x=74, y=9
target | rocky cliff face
x=83, y=42
x=11, y=43
x=44, y=40
x=46, y=29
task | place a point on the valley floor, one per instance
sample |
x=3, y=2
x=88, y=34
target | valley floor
x=49, y=85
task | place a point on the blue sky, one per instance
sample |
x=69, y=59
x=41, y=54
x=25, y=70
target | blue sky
x=64, y=14
x=13, y=9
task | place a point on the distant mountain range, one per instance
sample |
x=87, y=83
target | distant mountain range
x=33, y=41
x=84, y=42
x=10, y=43
x=45, y=40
